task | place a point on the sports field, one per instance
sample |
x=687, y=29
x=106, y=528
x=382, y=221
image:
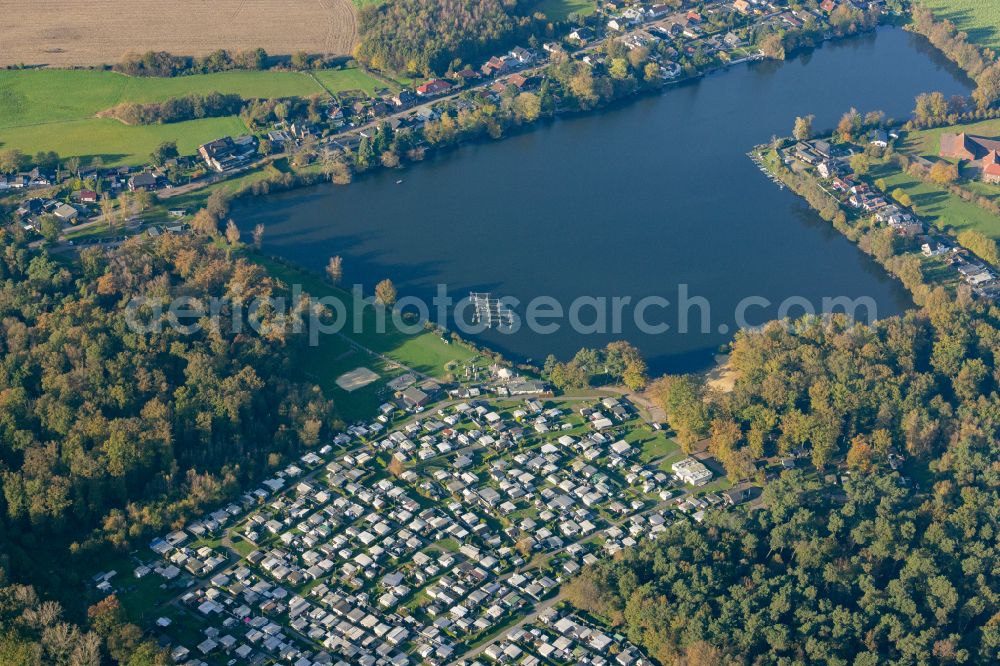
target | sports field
x=65, y=34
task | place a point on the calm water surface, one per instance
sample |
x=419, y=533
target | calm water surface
x=632, y=202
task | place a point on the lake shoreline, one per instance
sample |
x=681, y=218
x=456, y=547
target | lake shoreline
x=302, y=242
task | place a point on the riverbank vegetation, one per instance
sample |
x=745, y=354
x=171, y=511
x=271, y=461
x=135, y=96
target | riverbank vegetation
x=980, y=64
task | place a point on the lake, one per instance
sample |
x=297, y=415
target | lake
x=645, y=199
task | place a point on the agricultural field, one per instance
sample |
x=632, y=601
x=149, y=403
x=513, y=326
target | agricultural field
x=47, y=32
x=979, y=18
x=559, y=10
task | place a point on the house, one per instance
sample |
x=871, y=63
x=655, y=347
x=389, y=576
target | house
x=404, y=99
x=692, y=472
x=88, y=196
x=517, y=80
x=658, y=11
x=227, y=153
x=433, y=87
x=933, y=249
x=582, y=35
x=496, y=66
x=742, y=6
x=414, y=397
x=732, y=40
x=878, y=137
x=737, y=494
x=966, y=146
x=973, y=148
x=522, y=55
x=991, y=167
x=66, y=213
x=142, y=181
x=828, y=6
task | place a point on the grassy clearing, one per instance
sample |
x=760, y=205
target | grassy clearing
x=115, y=143
x=341, y=80
x=654, y=445
x=333, y=355
x=559, y=10
x=979, y=18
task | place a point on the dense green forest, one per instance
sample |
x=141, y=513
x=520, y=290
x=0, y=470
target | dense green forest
x=426, y=36
x=109, y=435
x=880, y=570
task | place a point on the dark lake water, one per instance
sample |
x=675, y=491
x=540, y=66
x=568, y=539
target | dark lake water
x=633, y=201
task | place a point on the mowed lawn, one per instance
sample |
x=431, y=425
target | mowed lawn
x=559, y=10
x=979, y=18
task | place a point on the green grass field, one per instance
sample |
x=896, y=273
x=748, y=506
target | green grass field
x=29, y=97
x=340, y=80
x=333, y=356
x=979, y=18
x=55, y=109
x=939, y=206
x=114, y=142
x=559, y=10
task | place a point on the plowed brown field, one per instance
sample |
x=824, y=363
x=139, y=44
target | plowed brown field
x=64, y=34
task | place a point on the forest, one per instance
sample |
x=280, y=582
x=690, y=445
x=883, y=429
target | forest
x=109, y=433
x=426, y=36
x=868, y=565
